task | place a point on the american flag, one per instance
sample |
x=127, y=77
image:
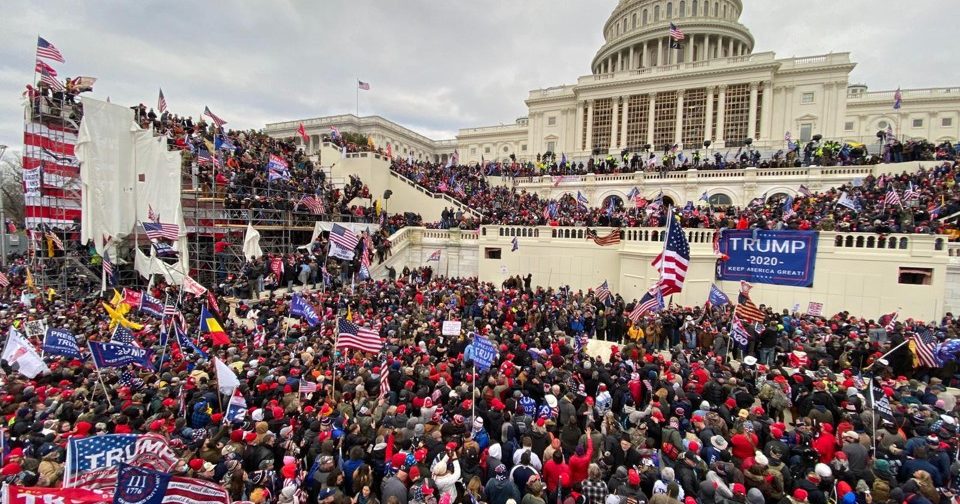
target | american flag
x=435, y=256
x=55, y=239
x=603, y=292
x=161, y=102
x=910, y=192
x=676, y=33
x=612, y=238
x=180, y=489
x=259, y=337
x=892, y=198
x=651, y=301
x=924, y=346
x=85, y=455
x=672, y=263
x=746, y=309
x=169, y=309
x=365, y=261
x=124, y=335
x=42, y=66
x=891, y=321
x=4, y=281
x=158, y=231
x=193, y=287
x=108, y=272
x=804, y=191
x=312, y=203
x=343, y=237
x=897, y=99
x=52, y=81
x=152, y=215
x=363, y=85
x=216, y=120
x=384, y=380
x=130, y=379
x=361, y=338
x=49, y=51
x=307, y=387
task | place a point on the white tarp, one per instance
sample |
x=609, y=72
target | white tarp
x=158, y=184
x=105, y=151
x=251, y=243
x=152, y=265
x=356, y=227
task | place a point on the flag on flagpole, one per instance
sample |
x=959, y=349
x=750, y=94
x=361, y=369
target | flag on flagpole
x=384, y=380
x=216, y=119
x=673, y=262
x=435, y=256
x=924, y=347
x=161, y=102
x=363, y=85
x=227, y=380
x=209, y=324
x=303, y=135
x=49, y=51
x=676, y=33
x=897, y=99
x=892, y=198
x=351, y=335
x=603, y=292
x=307, y=387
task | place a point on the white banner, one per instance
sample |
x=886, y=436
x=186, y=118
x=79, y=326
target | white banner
x=451, y=327
x=31, y=182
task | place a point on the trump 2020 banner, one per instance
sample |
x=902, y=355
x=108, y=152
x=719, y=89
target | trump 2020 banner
x=771, y=257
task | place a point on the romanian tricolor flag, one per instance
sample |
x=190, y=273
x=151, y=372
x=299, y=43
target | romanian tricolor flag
x=210, y=324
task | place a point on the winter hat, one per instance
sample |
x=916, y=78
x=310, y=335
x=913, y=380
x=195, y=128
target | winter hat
x=761, y=459
x=800, y=495
x=501, y=472
x=755, y=496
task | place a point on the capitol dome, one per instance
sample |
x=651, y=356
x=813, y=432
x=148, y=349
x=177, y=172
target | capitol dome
x=637, y=34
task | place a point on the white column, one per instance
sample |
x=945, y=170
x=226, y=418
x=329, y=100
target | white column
x=730, y=50
x=623, y=123
x=678, y=127
x=721, y=110
x=651, y=115
x=613, y=123
x=578, y=127
x=766, y=111
x=589, y=126
x=689, y=57
x=643, y=56
x=619, y=61
x=630, y=63
x=708, y=122
x=660, y=51
x=752, y=114
x=706, y=47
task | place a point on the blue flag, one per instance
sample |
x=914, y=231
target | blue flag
x=483, y=352
x=113, y=354
x=139, y=485
x=109, y=450
x=151, y=305
x=61, y=342
x=185, y=342
x=717, y=297
x=299, y=307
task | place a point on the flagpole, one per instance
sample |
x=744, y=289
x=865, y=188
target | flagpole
x=358, y=97
x=873, y=417
x=163, y=329
x=100, y=377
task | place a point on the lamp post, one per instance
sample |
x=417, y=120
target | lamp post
x=3, y=215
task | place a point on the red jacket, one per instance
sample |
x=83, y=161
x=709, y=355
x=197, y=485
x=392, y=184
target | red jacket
x=826, y=446
x=579, y=464
x=743, y=448
x=552, y=472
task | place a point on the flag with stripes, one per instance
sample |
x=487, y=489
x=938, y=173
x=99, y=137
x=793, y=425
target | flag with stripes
x=259, y=337
x=48, y=51
x=159, y=231
x=151, y=305
x=42, y=66
x=435, y=256
x=351, y=335
x=603, y=292
x=384, y=380
x=924, y=347
x=910, y=193
x=889, y=321
x=169, y=309
x=613, y=238
x=4, y=281
x=193, y=287
x=582, y=200
x=804, y=191
x=124, y=335
x=52, y=82
x=343, y=237
x=676, y=33
x=307, y=387
x=216, y=120
x=746, y=309
x=651, y=301
x=161, y=102
x=55, y=239
x=109, y=273
x=313, y=204
x=363, y=85
x=673, y=262
x=892, y=198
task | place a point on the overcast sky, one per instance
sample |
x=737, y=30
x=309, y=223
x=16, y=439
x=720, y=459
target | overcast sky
x=434, y=66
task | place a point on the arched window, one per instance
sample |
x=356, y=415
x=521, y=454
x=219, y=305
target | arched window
x=716, y=9
x=838, y=241
x=694, y=11
x=643, y=21
x=719, y=200
x=724, y=11
x=706, y=8
x=634, y=20
x=656, y=13
x=683, y=9
x=669, y=10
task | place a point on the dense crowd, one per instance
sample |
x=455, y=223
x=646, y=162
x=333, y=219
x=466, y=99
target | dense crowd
x=925, y=198
x=670, y=413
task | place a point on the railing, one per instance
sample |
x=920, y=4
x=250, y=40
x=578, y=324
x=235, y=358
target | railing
x=906, y=93
x=263, y=217
x=430, y=194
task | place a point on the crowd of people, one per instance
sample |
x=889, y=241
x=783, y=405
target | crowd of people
x=671, y=412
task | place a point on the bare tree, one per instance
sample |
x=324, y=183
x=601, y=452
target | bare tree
x=12, y=187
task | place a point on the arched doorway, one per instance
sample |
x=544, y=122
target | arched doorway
x=616, y=200
x=719, y=199
x=668, y=201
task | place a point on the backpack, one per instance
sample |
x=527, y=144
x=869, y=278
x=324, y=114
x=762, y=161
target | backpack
x=766, y=392
x=779, y=400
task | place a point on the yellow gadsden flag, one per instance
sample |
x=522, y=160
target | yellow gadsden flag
x=29, y=280
x=115, y=301
x=116, y=317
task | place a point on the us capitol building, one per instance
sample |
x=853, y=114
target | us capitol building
x=643, y=93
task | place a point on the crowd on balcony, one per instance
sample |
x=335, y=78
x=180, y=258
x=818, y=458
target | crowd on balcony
x=673, y=412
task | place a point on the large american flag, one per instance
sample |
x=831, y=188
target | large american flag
x=612, y=238
x=159, y=231
x=312, y=203
x=924, y=346
x=344, y=237
x=216, y=119
x=42, y=66
x=746, y=309
x=651, y=301
x=910, y=193
x=676, y=33
x=307, y=387
x=672, y=263
x=892, y=198
x=361, y=338
x=161, y=103
x=49, y=51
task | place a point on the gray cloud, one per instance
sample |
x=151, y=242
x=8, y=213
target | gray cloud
x=433, y=66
